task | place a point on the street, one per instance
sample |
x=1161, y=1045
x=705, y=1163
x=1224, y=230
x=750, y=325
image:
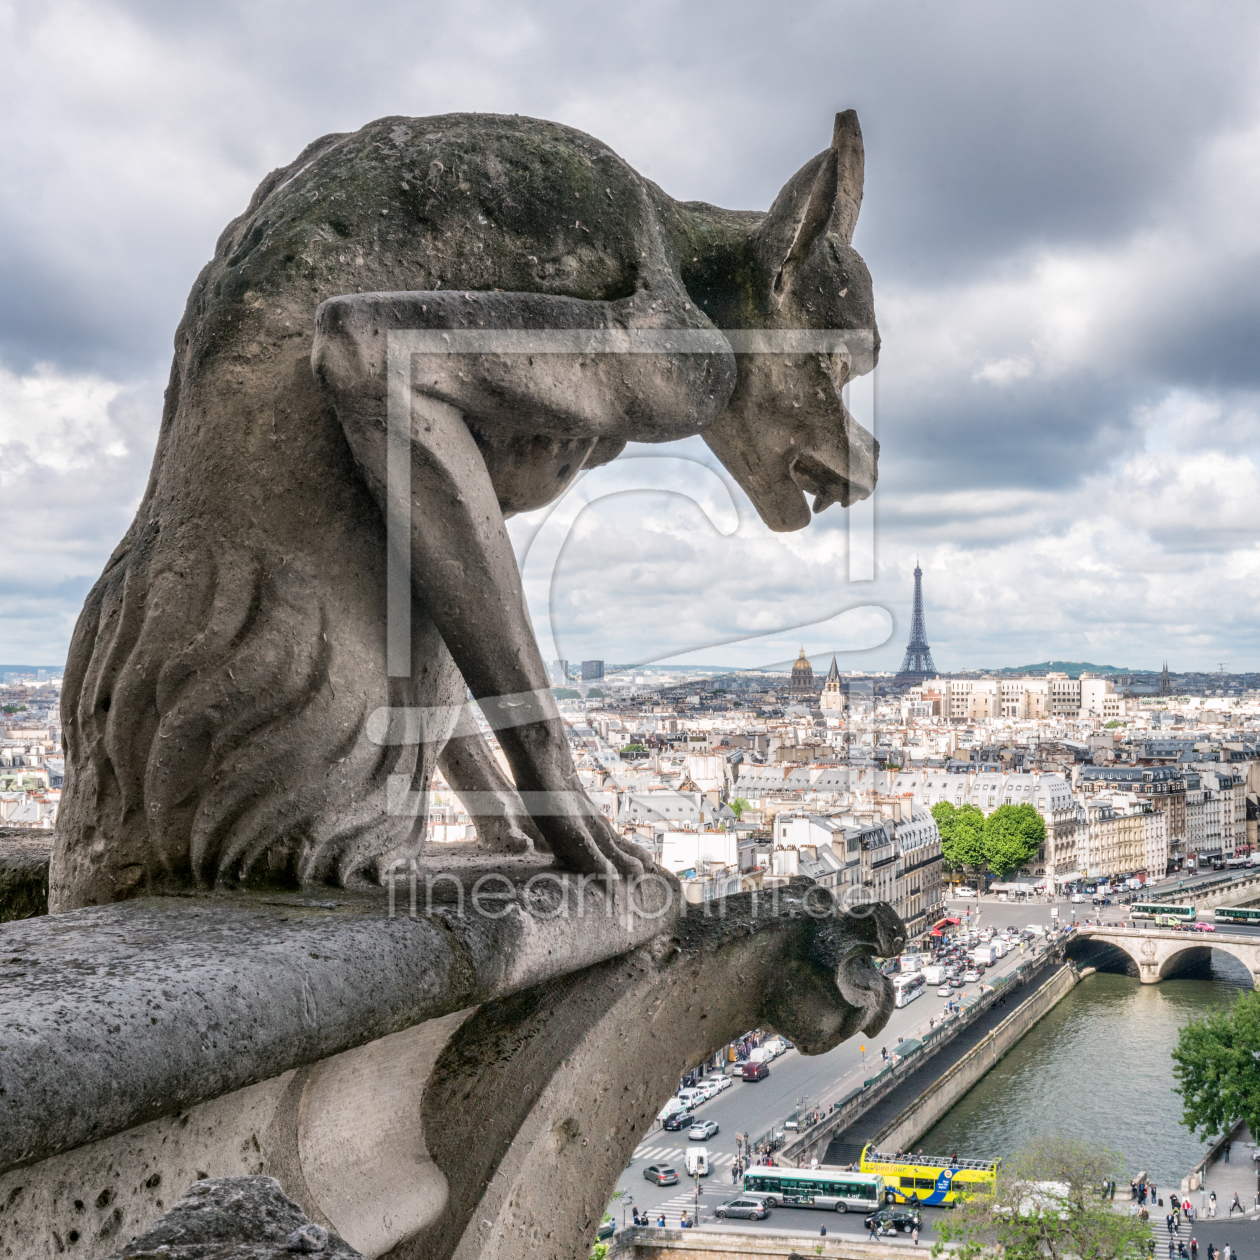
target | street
x=754, y=1107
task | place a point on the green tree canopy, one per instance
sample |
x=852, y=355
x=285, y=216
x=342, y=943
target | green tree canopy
x=1012, y=836
x=962, y=834
x=738, y=805
x=1218, y=1079
x=1047, y=1203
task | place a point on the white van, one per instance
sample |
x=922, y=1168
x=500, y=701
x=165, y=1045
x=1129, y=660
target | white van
x=672, y=1108
x=691, y=1097
x=698, y=1161
x=963, y=891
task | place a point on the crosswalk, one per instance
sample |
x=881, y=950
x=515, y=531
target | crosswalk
x=675, y=1154
x=673, y=1209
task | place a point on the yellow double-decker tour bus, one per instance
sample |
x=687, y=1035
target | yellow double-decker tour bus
x=930, y=1179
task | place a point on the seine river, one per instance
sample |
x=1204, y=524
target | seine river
x=1098, y=1069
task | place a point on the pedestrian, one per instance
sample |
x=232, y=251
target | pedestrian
x=914, y=1235
x=1211, y=1252
x=1113, y=1191
x=822, y=1231
x=660, y=1221
x=1181, y=1251
x=1237, y=1204
x=1194, y=1249
x=1172, y=1250
x=1227, y=1148
x=874, y=1230
x=1212, y=1204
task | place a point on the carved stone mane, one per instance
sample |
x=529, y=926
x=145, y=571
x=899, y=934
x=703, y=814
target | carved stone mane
x=224, y=667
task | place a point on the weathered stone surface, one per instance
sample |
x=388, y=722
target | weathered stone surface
x=422, y=1142
x=236, y=1218
x=111, y=1016
x=226, y=664
x=24, y=858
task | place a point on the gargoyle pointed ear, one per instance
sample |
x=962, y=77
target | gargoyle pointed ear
x=850, y=172
x=831, y=204
x=836, y=197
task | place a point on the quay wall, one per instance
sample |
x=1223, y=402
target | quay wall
x=650, y=1243
x=815, y=1140
x=916, y=1119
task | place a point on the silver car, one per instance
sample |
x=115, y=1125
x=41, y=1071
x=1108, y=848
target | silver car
x=702, y=1131
x=749, y=1209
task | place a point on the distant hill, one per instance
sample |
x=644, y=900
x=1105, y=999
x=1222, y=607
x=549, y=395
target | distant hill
x=1069, y=667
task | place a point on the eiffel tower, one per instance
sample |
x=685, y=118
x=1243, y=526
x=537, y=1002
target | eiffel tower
x=918, y=665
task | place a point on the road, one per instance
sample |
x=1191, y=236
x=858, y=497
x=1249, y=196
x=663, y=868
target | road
x=754, y=1107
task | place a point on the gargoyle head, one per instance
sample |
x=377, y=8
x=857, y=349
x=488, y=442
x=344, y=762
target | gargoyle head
x=786, y=432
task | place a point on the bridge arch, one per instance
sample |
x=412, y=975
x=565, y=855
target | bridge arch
x=1160, y=954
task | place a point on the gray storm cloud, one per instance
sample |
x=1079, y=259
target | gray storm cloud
x=1060, y=217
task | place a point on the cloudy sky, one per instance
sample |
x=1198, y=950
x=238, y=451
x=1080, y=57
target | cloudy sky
x=1062, y=218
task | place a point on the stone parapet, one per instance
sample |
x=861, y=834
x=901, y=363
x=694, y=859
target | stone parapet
x=24, y=859
x=403, y=1079
x=650, y=1243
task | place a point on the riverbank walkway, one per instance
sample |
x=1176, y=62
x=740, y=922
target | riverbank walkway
x=846, y=1146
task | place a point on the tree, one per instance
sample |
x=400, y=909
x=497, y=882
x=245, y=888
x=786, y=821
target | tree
x=1218, y=1077
x=1047, y=1203
x=738, y=805
x=962, y=835
x=1012, y=836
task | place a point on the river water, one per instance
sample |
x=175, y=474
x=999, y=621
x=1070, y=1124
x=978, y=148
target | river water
x=1097, y=1068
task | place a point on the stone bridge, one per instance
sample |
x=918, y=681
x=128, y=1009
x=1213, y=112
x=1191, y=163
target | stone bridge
x=1159, y=953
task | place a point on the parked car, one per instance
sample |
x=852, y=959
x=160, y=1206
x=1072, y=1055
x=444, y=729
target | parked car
x=902, y=1219
x=749, y=1209
x=721, y=1080
x=660, y=1174
x=679, y=1120
x=702, y=1130
x=1078, y=899
x=963, y=891
x=755, y=1071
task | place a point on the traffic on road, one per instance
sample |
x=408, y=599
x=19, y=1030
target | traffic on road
x=741, y=1109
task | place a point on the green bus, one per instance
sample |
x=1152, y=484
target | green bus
x=1237, y=914
x=832, y=1189
x=1156, y=910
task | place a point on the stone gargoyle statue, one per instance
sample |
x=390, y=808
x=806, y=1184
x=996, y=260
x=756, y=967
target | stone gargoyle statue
x=226, y=681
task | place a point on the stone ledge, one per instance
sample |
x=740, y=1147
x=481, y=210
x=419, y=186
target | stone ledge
x=116, y=1015
x=24, y=859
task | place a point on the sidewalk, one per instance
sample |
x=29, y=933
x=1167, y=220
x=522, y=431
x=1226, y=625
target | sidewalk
x=846, y=1146
x=1238, y=1173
